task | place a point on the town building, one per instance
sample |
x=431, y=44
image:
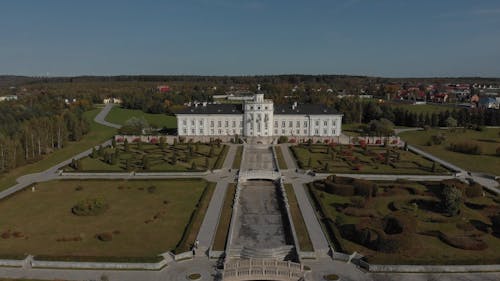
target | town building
x=259, y=117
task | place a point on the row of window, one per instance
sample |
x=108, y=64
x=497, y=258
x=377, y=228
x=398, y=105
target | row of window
x=297, y=123
x=297, y=132
x=213, y=131
x=212, y=123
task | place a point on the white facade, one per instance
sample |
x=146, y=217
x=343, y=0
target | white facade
x=259, y=117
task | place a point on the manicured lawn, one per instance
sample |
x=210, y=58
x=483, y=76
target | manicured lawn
x=488, y=140
x=98, y=134
x=354, y=159
x=225, y=219
x=281, y=161
x=359, y=224
x=120, y=115
x=237, y=158
x=305, y=243
x=172, y=158
x=145, y=218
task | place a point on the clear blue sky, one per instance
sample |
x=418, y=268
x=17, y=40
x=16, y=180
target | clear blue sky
x=237, y=37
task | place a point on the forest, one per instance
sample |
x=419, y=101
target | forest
x=36, y=125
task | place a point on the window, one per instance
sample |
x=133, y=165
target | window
x=298, y=124
x=275, y=124
x=305, y=131
x=265, y=125
x=219, y=123
x=305, y=124
x=212, y=123
x=316, y=131
x=241, y=123
x=220, y=132
x=201, y=131
x=251, y=107
x=325, y=123
x=192, y=122
x=265, y=108
x=227, y=123
x=184, y=122
x=297, y=131
x=275, y=131
x=192, y=131
x=258, y=107
x=324, y=132
x=201, y=122
x=211, y=131
x=185, y=131
x=283, y=124
x=258, y=127
x=234, y=124
x=317, y=123
x=290, y=124
x=283, y=131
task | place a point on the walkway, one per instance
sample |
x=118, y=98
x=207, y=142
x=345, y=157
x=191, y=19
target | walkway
x=318, y=239
x=101, y=117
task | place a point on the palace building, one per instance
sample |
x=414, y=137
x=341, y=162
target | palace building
x=259, y=118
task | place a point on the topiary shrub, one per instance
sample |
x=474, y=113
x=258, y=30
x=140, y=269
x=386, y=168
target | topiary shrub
x=105, y=236
x=90, y=207
x=474, y=190
x=392, y=225
x=465, y=147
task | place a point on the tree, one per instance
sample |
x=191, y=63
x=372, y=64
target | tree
x=113, y=142
x=134, y=126
x=126, y=146
x=162, y=143
x=93, y=154
x=145, y=163
x=194, y=167
x=451, y=200
x=451, y=122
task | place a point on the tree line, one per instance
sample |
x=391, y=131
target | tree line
x=36, y=126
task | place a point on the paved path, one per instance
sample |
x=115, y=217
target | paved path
x=208, y=228
x=318, y=239
x=101, y=117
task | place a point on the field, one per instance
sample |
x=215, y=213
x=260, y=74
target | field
x=151, y=157
x=423, y=108
x=403, y=223
x=488, y=140
x=341, y=159
x=98, y=134
x=143, y=218
x=120, y=115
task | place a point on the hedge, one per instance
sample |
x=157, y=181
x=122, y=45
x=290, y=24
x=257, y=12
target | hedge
x=153, y=259
x=220, y=159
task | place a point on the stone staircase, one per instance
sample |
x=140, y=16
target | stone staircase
x=280, y=253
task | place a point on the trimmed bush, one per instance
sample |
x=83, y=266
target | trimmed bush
x=90, y=207
x=474, y=190
x=105, y=236
x=465, y=147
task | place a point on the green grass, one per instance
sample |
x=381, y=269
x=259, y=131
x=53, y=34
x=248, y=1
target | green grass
x=422, y=108
x=191, y=232
x=488, y=140
x=149, y=220
x=237, y=158
x=98, y=134
x=305, y=243
x=342, y=159
x=160, y=160
x=225, y=219
x=419, y=248
x=281, y=160
x=120, y=115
